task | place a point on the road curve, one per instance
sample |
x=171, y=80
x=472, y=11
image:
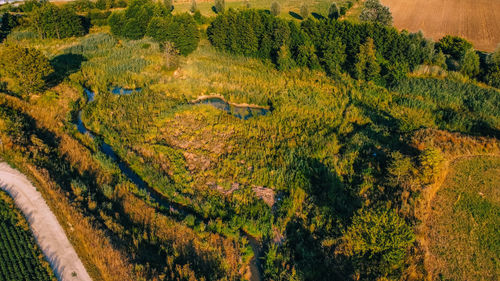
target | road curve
x=48, y=233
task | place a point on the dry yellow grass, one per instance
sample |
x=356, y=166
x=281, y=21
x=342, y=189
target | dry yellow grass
x=476, y=20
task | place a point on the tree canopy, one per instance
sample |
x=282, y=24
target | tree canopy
x=375, y=12
x=25, y=68
x=51, y=21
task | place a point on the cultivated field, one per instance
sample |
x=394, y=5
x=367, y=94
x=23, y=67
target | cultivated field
x=463, y=234
x=476, y=20
x=20, y=257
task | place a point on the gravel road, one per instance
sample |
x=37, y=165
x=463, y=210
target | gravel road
x=48, y=233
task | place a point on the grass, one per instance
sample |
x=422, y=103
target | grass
x=320, y=7
x=20, y=257
x=463, y=225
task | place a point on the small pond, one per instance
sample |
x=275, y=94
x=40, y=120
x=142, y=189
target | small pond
x=242, y=112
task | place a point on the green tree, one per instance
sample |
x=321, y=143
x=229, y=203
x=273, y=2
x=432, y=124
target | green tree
x=51, y=21
x=367, y=67
x=377, y=242
x=333, y=56
x=333, y=11
x=194, y=7
x=454, y=46
x=431, y=160
x=469, y=64
x=439, y=59
x=373, y=11
x=220, y=6
x=284, y=59
x=168, y=4
x=26, y=68
x=275, y=8
x=304, y=11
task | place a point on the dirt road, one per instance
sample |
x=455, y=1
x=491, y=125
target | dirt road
x=49, y=234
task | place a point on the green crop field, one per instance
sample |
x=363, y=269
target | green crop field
x=20, y=257
x=463, y=226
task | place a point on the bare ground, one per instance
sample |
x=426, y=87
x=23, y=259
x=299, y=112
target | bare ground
x=476, y=20
x=48, y=233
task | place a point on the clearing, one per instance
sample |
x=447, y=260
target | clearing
x=462, y=228
x=476, y=20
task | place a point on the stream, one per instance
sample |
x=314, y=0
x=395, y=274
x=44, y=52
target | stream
x=105, y=148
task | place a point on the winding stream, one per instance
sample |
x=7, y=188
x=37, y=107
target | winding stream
x=155, y=195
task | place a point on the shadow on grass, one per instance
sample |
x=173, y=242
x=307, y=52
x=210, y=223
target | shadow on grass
x=318, y=16
x=64, y=65
x=295, y=15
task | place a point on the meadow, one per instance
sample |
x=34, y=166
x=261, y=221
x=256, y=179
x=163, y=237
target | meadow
x=20, y=257
x=339, y=159
x=463, y=224
x=475, y=20
x=290, y=9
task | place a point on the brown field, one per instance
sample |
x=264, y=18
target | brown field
x=476, y=20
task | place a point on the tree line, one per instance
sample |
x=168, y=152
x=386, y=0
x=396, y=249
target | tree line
x=146, y=18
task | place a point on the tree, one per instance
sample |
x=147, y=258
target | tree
x=304, y=11
x=51, y=21
x=367, y=67
x=220, y=6
x=284, y=60
x=333, y=56
x=275, y=9
x=194, y=6
x=26, y=68
x=333, y=11
x=375, y=12
x=439, y=59
x=431, y=161
x=454, y=46
x=492, y=76
x=377, y=242
x=168, y=4
x=469, y=64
